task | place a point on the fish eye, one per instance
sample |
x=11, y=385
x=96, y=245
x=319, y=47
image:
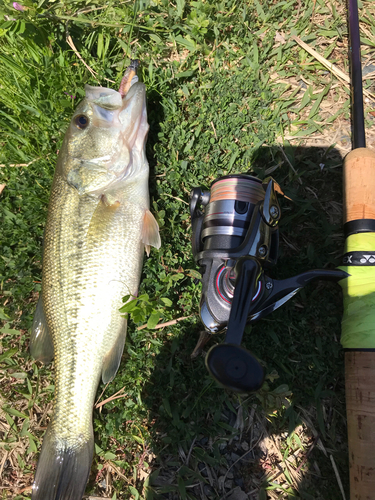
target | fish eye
x=81, y=121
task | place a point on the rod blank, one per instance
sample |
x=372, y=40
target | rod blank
x=358, y=117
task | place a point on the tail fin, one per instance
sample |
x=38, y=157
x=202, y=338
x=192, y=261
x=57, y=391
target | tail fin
x=62, y=472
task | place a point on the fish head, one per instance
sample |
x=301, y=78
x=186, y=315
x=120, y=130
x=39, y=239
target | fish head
x=105, y=142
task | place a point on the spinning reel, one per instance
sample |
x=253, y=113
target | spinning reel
x=235, y=241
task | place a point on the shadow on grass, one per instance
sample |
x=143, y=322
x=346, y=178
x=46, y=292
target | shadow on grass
x=282, y=441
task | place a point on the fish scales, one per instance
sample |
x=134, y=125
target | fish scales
x=97, y=228
x=80, y=288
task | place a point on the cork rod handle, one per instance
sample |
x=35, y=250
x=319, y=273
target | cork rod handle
x=359, y=203
x=359, y=185
x=360, y=411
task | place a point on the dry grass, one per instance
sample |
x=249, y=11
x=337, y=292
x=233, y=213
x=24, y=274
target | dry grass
x=334, y=108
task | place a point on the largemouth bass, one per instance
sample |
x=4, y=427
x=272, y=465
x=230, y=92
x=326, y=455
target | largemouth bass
x=98, y=226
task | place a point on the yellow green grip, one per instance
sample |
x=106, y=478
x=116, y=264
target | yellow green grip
x=358, y=323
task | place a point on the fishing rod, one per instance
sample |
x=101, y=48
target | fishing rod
x=358, y=324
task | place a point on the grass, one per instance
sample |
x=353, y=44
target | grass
x=229, y=91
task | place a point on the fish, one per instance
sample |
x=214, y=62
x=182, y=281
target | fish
x=98, y=226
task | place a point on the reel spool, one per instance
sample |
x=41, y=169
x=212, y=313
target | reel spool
x=229, y=211
x=235, y=239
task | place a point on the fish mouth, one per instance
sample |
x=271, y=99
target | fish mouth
x=106, y=100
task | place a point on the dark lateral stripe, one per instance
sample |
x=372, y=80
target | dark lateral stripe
x=359, y=226
x=359, y=259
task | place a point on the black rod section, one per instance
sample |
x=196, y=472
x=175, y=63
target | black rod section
x=358, y=117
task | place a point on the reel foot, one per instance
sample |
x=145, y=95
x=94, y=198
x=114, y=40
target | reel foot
x=204, y=337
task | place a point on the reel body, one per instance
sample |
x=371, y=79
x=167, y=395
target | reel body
x=235, y=241
x=231, y=227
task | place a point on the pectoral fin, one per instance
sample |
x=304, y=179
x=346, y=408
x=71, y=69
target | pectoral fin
x=41, y=345
x=112, y=359
x=150, y=232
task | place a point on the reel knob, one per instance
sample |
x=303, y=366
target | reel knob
x=235, y=368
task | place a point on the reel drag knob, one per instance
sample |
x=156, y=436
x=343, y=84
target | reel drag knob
x=235, y=368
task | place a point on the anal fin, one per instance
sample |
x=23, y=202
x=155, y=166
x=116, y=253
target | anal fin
x=150, y=232
x=41, y=344
x=112, y=359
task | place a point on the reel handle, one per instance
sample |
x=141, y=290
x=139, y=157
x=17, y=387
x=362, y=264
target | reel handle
x=230, y=364
x=247, y=271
